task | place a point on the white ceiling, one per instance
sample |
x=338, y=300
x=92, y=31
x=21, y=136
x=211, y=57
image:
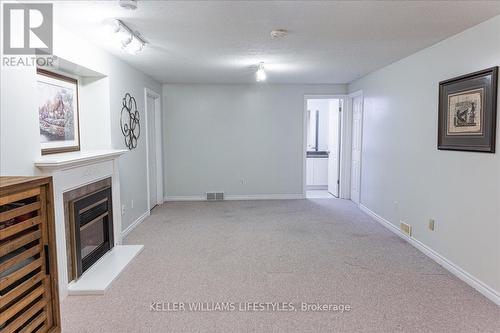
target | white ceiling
x=222, y=41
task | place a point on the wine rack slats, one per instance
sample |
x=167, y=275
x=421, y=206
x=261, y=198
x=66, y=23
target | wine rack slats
x=16, y=212
x=21, y=304
x=19, y=196
x=28, y=314
x=22, y=288
x=14, y=244
x=28, y=271
x=20, y=273
x=37, y=321
x=30, y=252
x=18, y=227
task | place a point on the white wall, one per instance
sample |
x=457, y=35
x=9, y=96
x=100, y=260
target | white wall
x=241, y=139
x=19, y=131
x=460, y=190
x=99, y=119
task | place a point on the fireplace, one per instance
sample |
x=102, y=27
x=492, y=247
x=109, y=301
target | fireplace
x=91, y=221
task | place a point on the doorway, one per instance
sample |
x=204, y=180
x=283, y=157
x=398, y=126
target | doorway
x=153, y=149
x=323, y=142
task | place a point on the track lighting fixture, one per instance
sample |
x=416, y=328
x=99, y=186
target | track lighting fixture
x=129, y=40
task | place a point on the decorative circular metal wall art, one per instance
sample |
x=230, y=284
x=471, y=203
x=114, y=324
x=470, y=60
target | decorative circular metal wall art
x=129, y=121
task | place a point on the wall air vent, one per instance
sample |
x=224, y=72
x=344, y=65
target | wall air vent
x=215, y=196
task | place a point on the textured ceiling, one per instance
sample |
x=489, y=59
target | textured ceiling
x=222, y=41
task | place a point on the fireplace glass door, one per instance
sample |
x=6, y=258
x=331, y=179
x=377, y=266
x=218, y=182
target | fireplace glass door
x=92, y=235
x=93, y=228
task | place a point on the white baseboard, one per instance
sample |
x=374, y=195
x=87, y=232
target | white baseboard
x=185, y=198
x=264, y=197
x=316, y=187
x=239, y=197
x=468, y=278
x=134, y=224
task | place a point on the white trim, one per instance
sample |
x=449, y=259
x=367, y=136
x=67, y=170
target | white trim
x=463, y=275
x=356, y=93
x=158, y=146
x=316, y=187
x=76, y=159
x=304, y=139
x=159, y=150
x=134, y=224
x=265, y=197
x=324, y=96
x=184, y=198
x=304, y=147
x=345, y=153
x=239, y=197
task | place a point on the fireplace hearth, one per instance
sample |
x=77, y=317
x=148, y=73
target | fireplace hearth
x=91, y=221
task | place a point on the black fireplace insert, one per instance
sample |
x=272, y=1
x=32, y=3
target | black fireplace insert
x=92, y=223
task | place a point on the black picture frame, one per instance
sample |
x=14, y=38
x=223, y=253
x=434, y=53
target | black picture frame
x=467, y=112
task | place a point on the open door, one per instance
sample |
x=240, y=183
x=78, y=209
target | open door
x=334, y=147
x=357, y=132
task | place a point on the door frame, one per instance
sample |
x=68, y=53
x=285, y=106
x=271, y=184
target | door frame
x=350, y=98
x=159, y=158
x=341, y=144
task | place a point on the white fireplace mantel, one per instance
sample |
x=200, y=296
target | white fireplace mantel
x=79, y=158
x=73, y=170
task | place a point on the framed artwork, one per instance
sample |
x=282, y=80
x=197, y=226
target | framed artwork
x=57, y=98
x=467, y=112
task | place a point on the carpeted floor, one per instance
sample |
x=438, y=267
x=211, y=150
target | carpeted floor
x=322, y=251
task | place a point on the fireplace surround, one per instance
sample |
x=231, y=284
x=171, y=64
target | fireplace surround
x=70, y=171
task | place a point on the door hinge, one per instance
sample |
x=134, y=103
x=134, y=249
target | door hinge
x=47, y=261
x=338, y=182
x=340, y=109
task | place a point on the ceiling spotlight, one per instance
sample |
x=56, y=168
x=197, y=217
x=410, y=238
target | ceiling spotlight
x=279, y=33
x=129, y=40
x=134, y=46
x=128, y=4
x=260, y=75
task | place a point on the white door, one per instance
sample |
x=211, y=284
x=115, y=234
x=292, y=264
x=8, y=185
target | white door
x=357, y=136
x=152, y=151
x=333, y=147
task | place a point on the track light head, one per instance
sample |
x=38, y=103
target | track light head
x=260, y=75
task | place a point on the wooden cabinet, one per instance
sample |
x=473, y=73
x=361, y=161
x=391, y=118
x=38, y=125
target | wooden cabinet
x=28, y=267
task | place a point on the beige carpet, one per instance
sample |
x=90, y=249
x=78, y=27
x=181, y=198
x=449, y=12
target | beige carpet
x=320, y=251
